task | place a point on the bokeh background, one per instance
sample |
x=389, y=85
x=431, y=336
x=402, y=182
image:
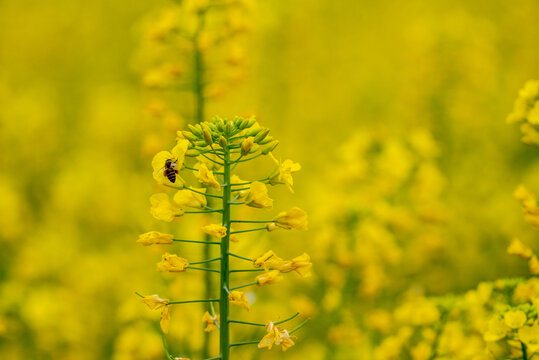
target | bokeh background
x=395, y=110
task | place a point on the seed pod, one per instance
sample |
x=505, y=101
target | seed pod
x=269, y=147
x=222, y=141
x=261, y=135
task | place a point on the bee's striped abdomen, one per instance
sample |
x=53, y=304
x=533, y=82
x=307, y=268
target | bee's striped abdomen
x=171, y=175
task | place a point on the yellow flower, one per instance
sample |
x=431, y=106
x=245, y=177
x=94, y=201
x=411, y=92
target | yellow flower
x=529, y=335
x=533, y=265
x=163, y=208
x=212, y=321
x=177, y=155
x=294, y=218
x=247, y=145
x=283, y=173
x=188, y=198
x=276, y=336
x=258, y=196
x=238, y=298
x=270, y=338
x=215, y=230
x=172, y=263
x=301, y=264
x=514, y=318
x=165, y=319
x=263, y=259
x=205, y=176
x=530, y=135
x=496, y=330
x=155, y=237
x=270, y=277
x=154, y=302
x=517, y=247
x=242, y=194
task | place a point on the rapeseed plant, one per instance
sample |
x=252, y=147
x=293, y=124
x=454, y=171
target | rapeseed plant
x=218, y=147
x=499, y=319
x=191, y=55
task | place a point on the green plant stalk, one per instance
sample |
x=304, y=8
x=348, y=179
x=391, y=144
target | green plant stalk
x=198, y=60
x=224, y=335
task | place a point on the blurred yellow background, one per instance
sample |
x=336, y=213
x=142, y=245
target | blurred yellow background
x=395, y=110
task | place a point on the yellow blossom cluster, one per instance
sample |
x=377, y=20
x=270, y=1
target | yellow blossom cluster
x=217, y=148
x=526, y=112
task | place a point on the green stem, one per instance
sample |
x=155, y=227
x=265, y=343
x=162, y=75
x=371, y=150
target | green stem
x=245, y=343
x=165, y=346
x=202, y=212
x=252, y=221
x=193, y=301
x=244, y=285
x=240, y=257
x=246, y=323
x=224, y=333
x=287, y=319
x=260, y=324
x=204, y=261
x=198, y=62
x=215, y=153
x=249, y=230
x=198, y=242
x=250, y=158
x=213, y=161
x=524, y=352
x=299, y=326
x=204, y=269
x=203, y=193
x=247, y=188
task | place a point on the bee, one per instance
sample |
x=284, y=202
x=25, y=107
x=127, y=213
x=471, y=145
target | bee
x=169, y=170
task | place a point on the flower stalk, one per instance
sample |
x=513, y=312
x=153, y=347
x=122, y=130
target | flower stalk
x=204, y=138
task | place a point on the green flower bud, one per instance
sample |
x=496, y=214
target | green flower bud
x=207, y=134
x=242, y=123
x=254, y=132
x=222, y=141
x=250, y=122
x=195, y=130
x=189, y=136
x=266, y=140
x=261, y=135
x=192, y=152
x=269, y=147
